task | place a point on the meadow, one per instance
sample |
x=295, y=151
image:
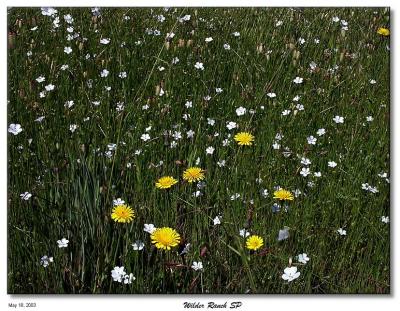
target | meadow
x=198, y=150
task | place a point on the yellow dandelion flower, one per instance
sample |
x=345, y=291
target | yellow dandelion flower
x=122, y=213
x=283, y=195
x=383, y=31
x=254, y=242
x=193, y=174
x=165, y=238
x=244, y=138
x=165, y=182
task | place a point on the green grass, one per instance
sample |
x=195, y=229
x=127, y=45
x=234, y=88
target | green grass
x=73, y=183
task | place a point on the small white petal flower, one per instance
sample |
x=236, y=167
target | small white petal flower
x=62, y=243
x=297, y=193
x=264, y=193
x=145, y=137
x=161, y=18
x=199, y=66
x=190, y=134
x=332, y=164
x=240, y=111
x=305, y=171
x=276, y=145
x=40, y=79
x=122, y=75
x=170, y=35
x=118, y=201
x=290, y=274
x=283, y=234
x=235, y=196
x=305, y=161
x=231, y=125
x=210, y=150
x=244, y=233
x=369, y=188
x=116, y=274
x=48, y=11
x=298, y=80
x=49, y=87
x=382, y=175
x=14, y=129
x=104, y=73
x=45, y=260
x=217, y=220
x=385, y=219
x=338, y=119
x=221, y=163
x=184, y=19
x=127, y=279
x=149, y=228
x=313, y=66
x=197, y=266
x=303, y=258
x=25, y=196
x=197, y=194
x=119, y=275
x=341, y=231
x=177, y=135
x=67, y=50
x=69, y=103
x=210, y=121
x=138, y=245
x=105, y=41
x=68, y=18
x=311, y=140
x=73, y=127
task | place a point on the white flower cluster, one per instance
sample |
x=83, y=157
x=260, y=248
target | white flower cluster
x=119, y=275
